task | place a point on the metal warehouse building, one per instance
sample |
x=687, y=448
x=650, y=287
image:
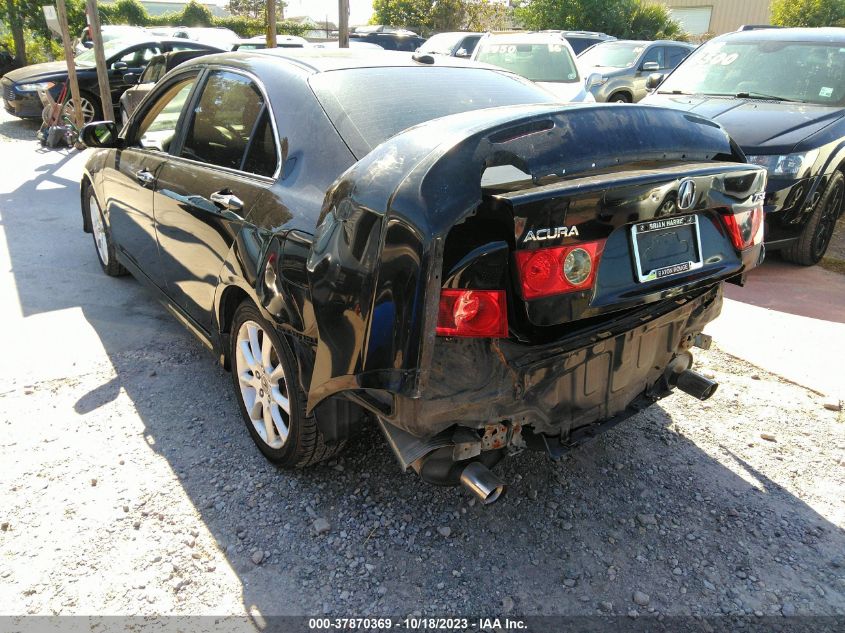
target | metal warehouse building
x=718, y=16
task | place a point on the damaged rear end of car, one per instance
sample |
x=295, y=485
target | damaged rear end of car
x=526, y=277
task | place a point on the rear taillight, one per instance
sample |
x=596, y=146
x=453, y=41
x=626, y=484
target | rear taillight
x=745, y=228
x=478, y=313
x=552, y=271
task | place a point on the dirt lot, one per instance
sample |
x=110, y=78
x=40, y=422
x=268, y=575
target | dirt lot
x=130, y=486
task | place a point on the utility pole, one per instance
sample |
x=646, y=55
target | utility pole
x=61, y=12
x=343, y=23
x=100, y=58
x=271, y=23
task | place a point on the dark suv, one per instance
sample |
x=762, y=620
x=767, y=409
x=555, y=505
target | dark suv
x=582, y=40
x=781, y=95
x=625, y=65
x=388, y=38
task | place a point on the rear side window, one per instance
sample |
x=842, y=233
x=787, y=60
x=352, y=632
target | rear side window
x=224, y=121
x=675, y=55
x=369, y=105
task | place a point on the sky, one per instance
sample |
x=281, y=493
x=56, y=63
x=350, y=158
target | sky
x=359, y=10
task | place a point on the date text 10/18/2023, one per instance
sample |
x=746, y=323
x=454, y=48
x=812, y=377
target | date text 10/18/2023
x=414, y=623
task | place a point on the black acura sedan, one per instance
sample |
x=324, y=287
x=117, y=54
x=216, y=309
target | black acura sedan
x=429, y=243
x=123, y=57
x=780, y=93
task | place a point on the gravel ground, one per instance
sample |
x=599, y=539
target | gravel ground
x=130, y=486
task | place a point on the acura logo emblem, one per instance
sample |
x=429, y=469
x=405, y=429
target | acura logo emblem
x=686, y=194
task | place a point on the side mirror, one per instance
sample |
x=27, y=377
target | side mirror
x=654, y=80
x=593, y=80
x=88, y=44
x=651, y=66
x=100, y=134
x=120, y=65
x=461, y=52
x=131, y=78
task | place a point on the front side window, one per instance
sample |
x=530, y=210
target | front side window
x=224, y=120
x=153, y=72
x=138, y=57
x=810, y=72
x=655, y=54
x=158, y=127
x=537, y=61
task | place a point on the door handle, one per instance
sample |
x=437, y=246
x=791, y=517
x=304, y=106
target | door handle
x=225, y=199
x=145, y=177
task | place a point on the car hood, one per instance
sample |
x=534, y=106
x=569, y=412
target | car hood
x=766, y=126
x=566, y=92
x=35, y=72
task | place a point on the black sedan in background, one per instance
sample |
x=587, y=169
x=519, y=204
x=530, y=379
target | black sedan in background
x=438, y=246
x=123, y=57
x=781, y=94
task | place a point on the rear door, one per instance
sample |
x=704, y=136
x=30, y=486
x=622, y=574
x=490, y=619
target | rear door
x=226, y=161
x=129, y=183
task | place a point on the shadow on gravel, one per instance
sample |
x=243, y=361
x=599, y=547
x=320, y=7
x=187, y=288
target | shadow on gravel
x=19, y=129
x=640, y=509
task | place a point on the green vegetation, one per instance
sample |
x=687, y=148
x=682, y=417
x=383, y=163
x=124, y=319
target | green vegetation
x=808, y=12
x=627, y=19
x=432, y=16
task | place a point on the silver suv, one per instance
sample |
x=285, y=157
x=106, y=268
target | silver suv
x=624, y=66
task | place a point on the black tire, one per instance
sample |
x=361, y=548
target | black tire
x=304, y=444
x=105, y=250
x=812, y=244
x=620, y=97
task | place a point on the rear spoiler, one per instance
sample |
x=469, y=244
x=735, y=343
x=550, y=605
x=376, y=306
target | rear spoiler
x=375, y=265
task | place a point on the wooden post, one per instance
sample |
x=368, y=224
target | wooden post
x=343, y=24
x=271, y=23
x=61, y=13
x=100, y=57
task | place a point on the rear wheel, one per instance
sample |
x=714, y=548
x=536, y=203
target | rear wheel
x=103, y=243
x=811, y=246
x=264, y=374
x=620, y=98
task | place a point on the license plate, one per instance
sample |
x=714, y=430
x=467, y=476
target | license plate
x=666, y=247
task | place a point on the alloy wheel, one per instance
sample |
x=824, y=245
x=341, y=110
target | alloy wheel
x=827, y=221
x=263, y=385
x=99, y=230
x=88, y=109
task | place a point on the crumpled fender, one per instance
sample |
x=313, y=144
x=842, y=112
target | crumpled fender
x=375, y=264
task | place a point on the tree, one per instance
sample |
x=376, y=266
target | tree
x=432, y=16
x=808, y=12
x=254, y=8
x=196, y=14
x=638, y=19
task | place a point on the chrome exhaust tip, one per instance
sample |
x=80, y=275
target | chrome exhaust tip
x=695, y=384
x=481, y=482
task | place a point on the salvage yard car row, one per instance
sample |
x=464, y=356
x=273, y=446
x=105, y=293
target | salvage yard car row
x=441, y=247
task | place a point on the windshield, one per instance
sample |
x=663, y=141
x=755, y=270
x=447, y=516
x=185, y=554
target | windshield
x=549, y=62
x=441, y=43
x=110, y=48
x=812, y=72
x=612, y=55
x=369, y=105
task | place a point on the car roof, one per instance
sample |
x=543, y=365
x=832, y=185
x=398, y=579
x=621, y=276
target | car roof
x=318, y=60
x=826, y=34
x=527, y=37
x=646, y=43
